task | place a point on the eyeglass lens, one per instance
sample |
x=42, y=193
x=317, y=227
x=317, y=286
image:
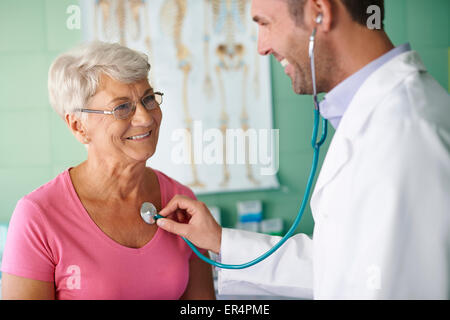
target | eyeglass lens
x=150, y=102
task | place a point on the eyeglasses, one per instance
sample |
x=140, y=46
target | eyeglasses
x=125, y=110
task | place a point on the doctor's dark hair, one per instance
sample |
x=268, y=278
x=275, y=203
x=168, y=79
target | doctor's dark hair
x=356, y=8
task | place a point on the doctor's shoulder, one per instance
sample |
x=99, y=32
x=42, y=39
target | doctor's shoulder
x=408, y=131
x=429, y=101
x=419, y=101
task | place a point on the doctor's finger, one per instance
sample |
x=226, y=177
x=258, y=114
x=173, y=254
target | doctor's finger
x=179, y=202
x=171, y=226
x=182, y=216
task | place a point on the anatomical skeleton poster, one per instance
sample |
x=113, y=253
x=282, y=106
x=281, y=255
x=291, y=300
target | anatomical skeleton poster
x=217, y=130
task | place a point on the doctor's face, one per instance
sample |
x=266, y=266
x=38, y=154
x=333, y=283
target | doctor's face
x=286, y=40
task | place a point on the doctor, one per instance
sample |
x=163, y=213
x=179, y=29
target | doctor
x=381, y=204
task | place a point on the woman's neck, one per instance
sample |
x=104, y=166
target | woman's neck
x=108, y=180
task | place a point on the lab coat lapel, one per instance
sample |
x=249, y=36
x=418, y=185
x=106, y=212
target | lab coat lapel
x=337, y=156
x=371, y=94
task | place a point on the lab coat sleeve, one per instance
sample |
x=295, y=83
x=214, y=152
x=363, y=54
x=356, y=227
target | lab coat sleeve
x=287, y=272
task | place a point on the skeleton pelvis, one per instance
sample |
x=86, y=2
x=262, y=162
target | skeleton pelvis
x=230, y=55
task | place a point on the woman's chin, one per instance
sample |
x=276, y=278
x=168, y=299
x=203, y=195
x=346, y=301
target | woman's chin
x=142, y=156
x=138, y=154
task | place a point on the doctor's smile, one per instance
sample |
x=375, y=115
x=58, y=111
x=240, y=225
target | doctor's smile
x=130, y=221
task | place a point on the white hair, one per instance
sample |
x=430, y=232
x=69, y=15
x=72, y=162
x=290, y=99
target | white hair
x=74, y=76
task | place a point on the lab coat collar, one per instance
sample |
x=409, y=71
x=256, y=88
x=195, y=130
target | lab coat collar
x=336, y=102
x=375, y=89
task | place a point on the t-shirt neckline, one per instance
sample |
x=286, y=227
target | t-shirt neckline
x=96, y=229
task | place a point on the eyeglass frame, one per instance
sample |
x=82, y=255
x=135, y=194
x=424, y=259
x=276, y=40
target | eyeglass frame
x=160, y=94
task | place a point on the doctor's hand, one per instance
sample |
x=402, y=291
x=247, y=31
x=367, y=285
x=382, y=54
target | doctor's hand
x=195, y=222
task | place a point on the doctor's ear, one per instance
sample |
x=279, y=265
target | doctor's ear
x=321, y=14
x=319, y=18
x=77, y=127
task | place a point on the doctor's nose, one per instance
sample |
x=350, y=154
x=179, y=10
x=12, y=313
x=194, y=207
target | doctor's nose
x=263, y=46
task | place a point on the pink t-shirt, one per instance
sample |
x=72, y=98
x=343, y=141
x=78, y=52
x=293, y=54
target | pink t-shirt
x=51, y=237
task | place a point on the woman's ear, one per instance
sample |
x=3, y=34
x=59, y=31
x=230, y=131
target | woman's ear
x=77, y=127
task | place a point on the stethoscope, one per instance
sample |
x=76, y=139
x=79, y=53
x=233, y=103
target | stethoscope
x=149, y=213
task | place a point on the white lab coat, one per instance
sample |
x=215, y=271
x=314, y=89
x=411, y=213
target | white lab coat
x=381, y=204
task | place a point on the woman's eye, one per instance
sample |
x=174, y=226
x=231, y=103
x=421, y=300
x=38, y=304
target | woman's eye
x=149, y=99
x=123, y=107
x=149, y=102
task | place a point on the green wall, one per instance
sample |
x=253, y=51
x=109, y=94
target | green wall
x=35, y=145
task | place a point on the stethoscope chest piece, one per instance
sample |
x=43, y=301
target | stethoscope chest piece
x=148, y=212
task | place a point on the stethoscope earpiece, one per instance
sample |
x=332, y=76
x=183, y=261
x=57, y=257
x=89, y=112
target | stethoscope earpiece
x=319, y=18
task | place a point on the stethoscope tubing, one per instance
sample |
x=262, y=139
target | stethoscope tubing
x=316, y=147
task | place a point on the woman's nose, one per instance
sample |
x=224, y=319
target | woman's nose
x=142, y=117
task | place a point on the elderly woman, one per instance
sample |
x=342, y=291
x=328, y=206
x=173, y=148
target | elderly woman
x=81, y=236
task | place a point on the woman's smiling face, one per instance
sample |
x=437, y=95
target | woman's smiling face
x=132, y=139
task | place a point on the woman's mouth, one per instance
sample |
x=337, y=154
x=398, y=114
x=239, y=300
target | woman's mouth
x=140, y=137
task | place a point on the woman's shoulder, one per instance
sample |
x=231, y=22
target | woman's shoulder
x=50, y=191
x=34, y=212
x=171, y=186
x=45, y=199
